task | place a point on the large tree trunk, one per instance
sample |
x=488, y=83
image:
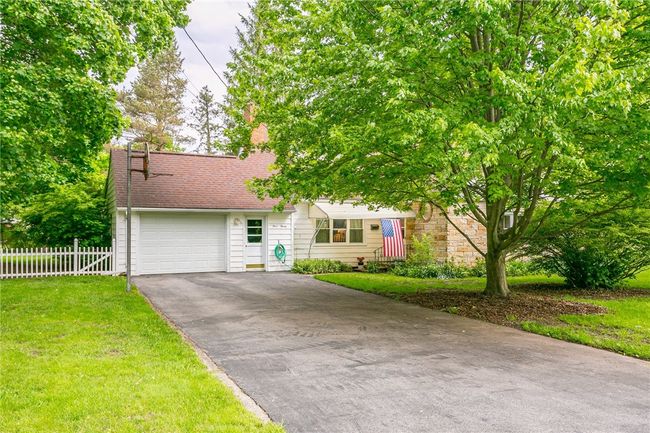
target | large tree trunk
x=495, y=257
x=496, y=284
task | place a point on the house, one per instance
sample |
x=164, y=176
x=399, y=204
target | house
x=195, y=214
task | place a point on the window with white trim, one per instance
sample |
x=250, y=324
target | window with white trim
x=323, y=233
x=507, y=221
x=339, y=231
x=356, y=231
x=254, y=231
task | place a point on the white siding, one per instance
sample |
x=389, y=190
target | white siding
x=279, y=231
x=236, y=224
x=120, y=240
x=304, y=228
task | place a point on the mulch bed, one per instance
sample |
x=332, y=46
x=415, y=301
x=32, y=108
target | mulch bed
x=562, y=290
x=522, y=306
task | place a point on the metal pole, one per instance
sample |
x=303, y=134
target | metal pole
x=128, y=217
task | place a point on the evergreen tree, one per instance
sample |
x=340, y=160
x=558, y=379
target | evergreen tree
x=205, y=121
x=154, y=103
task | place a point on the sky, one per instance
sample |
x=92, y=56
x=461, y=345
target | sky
x=213, y=26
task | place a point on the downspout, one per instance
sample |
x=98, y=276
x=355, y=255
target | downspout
x=313, y=238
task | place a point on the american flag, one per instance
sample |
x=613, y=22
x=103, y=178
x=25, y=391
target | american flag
x=391, y=230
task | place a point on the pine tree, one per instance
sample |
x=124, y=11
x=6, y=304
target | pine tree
x=154, y=103
x=206, y=115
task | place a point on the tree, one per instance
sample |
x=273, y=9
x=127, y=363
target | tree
x=154, y=103
x=206, y=115
x=60, y=61
x=477, y=107
x=68, y=211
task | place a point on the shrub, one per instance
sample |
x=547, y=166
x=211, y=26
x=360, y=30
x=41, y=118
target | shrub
x=443, y=270
x=596, y=253
x=373, y=268
x=478, y=269
x=422, y=250
x=514, y=268
x=431, y=270
x=585, y=261
x=446, y=270
x=319, y=266
x=519, y=268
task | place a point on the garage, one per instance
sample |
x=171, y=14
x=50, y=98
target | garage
x=176, y=242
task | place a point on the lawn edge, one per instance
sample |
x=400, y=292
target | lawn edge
x=213, y=368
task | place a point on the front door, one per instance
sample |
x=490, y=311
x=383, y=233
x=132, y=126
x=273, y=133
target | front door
x=254, y=244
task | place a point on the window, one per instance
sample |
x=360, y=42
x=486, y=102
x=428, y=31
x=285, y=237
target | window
x=254, y=231
x=323, y=234
x=339, y=231
x=402, y=222
x=507, y=221
x=356, y=231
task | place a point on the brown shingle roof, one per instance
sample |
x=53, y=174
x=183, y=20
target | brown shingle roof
x=196, y=181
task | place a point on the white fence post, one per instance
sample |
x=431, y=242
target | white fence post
x=75, y=258
x=114, y=258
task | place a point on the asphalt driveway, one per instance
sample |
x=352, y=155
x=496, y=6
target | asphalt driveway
x=322, y=358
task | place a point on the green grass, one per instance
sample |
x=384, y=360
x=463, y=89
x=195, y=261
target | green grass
x=641, y=281
x=80, y=355
x=384, y=284
x=624, y=329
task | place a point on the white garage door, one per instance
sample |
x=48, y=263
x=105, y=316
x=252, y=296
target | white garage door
x=181, y=242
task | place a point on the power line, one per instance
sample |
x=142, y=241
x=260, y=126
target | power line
x=190, y=81
x=197, y=47
x=205, y=58
x=192, y=84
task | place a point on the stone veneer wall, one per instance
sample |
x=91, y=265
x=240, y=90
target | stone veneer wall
x=449, y=244
x=458, y=247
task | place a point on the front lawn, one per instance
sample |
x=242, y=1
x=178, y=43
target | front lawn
x=78, y=354
x=617, y=320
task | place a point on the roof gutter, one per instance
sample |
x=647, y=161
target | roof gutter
x=171, y=209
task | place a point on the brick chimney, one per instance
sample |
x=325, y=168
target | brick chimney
x=261, y=133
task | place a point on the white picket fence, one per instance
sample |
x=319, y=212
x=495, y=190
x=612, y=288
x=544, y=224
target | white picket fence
x=45, y=262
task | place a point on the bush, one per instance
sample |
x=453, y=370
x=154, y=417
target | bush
x=451, y=270
x=432, y=270
x=319, y=266
x=373, y=268
x=514, y=268
x=519, y=268
x=597, y=253
x=422, y=250
x=585, y=261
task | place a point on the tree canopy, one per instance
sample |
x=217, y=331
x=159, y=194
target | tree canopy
x=68, y=211
x=60, y=60
x=483, y=107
